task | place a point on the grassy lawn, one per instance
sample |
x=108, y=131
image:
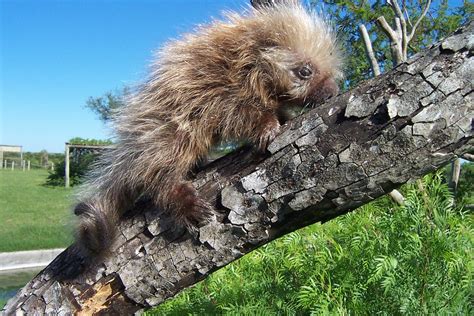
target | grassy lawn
x=33, y=216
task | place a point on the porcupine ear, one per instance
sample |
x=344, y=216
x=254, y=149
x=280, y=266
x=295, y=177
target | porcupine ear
x=270, y=3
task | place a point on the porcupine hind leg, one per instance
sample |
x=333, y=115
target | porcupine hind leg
x=171, y=191
x=187, y=207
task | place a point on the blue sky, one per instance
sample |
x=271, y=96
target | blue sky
x=55, y=54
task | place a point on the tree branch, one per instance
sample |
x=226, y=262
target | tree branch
x=394, y=38
x=407, y=14
x=396, y=9
x=402, y=31
x=469, y=157
x=369, y=51
x=387, y=28
x=333, y=159
x=413, y=29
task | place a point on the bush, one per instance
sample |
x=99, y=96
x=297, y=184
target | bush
x=79, y=164
x=77, y=170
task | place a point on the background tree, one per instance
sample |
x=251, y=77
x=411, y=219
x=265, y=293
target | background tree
x=346, y=15
x=44, y=158
x=104, y=106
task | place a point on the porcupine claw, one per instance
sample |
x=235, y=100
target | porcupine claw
x=188, y=208
x=269, y=132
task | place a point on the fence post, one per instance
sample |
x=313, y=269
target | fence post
x=29, y=165
x=52, y=166
x=5, y=164
x=13, y=165
x=66, y=171
x=23, y=164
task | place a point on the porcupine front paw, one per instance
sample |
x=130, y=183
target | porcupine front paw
x=268, y=134
x=188, y=208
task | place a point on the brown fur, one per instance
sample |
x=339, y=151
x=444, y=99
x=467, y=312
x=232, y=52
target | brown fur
x=228, y=80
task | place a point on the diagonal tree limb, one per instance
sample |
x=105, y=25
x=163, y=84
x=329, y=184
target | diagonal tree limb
x=386, y=27
x=335, y=158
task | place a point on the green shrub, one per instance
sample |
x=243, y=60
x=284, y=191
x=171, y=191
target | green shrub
x=89, y=141
x=77, y=170
x=80, y=163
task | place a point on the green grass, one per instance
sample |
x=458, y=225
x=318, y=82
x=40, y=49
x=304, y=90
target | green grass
x=33, y=216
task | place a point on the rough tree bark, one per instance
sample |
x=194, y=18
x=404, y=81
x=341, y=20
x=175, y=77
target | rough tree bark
x=325, y=163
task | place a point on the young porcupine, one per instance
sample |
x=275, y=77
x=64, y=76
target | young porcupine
x=228, y=80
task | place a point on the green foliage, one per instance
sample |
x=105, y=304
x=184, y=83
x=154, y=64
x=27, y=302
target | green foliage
x=382, y=259
x=106, y=105
x=465, y=191
x=77, y=170
x=90, y=141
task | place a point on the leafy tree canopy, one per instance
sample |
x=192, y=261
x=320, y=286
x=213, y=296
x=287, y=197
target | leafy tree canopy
x=106, y=105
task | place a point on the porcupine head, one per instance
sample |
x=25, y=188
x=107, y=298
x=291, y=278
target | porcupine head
x=227, y=80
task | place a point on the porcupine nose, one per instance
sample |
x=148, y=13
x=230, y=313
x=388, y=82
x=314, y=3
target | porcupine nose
x=329, y=89
x=324, y=91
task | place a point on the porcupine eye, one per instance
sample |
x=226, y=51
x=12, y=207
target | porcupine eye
x=305, y=72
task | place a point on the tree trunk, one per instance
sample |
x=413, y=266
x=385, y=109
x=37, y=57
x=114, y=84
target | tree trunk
x=335, y=158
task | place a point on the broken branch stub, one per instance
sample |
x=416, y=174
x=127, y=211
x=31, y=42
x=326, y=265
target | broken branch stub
x=355, y=148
